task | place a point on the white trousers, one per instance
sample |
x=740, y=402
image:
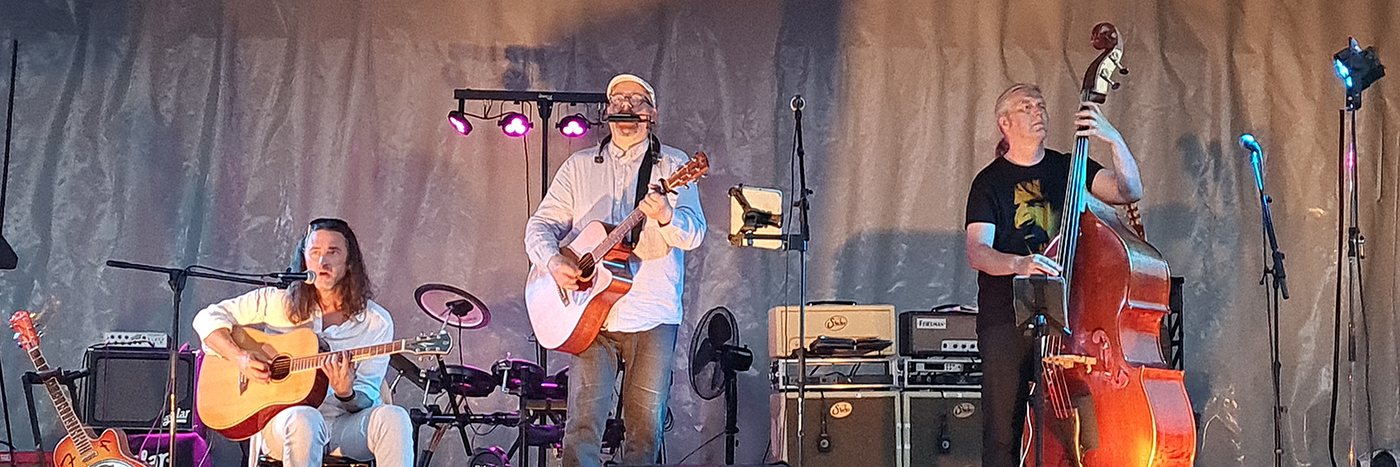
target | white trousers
x=300, y=436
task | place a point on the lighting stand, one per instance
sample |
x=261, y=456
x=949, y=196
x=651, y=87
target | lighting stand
x=1358, y=69
x=544, y=103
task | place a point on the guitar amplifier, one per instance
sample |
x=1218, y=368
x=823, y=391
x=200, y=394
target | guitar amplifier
x=839, y=429
x=956, y=373
x=126, y=387
x=191, y=450
x=831, y=320
x=941, y=429
x=839, y=374
x=938, y=332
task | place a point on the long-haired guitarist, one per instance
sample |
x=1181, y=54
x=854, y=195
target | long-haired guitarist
x=1013, y=211
x=601, y=184
x=351, y=422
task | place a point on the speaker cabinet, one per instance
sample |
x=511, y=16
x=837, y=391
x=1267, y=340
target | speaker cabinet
x=125, y=389
x=191, y=450
x=853, y=428
x=941, y=429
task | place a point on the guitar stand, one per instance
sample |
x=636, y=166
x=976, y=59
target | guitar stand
x=30, y=379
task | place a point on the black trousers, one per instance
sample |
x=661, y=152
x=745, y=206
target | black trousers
x=1008, y=363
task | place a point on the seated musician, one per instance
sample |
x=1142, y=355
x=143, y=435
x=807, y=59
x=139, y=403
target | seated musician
x=1013, y=210
x=351, y=422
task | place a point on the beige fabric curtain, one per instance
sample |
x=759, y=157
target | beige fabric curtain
x=178, y=133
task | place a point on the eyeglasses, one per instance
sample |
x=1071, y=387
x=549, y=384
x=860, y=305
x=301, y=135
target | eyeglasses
x=635, y=99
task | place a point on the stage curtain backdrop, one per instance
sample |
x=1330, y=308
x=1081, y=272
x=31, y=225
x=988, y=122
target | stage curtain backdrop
x=179, y=133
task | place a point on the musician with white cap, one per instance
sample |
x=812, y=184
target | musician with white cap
x=602, y=183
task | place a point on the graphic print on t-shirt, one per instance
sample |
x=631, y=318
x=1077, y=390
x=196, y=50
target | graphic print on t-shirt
x=1036, y=219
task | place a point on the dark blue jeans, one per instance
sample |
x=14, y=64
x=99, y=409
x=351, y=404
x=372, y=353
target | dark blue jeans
x=646, y=384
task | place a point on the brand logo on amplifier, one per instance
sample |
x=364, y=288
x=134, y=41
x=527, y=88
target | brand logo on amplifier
x=931, y=323
x=836, y=323
x=964, y=410
x=843, y=409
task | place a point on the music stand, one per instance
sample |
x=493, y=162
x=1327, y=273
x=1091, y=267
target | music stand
x=1040, y=303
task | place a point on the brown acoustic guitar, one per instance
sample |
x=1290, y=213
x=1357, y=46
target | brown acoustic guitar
x=239, y=408
x=82, y=447
x=566, y=320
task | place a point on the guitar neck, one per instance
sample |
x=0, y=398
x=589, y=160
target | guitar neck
x=81, y=435
x=618, y=233
x=1076, y=191
x=312, y=362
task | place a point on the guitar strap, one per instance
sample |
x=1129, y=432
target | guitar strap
x=652, y=157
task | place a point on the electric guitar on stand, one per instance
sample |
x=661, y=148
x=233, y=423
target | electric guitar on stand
x=82, y=447
x=568, y=321
x=238, y=408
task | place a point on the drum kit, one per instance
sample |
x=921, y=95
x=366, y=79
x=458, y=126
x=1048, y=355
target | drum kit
x=542, y=397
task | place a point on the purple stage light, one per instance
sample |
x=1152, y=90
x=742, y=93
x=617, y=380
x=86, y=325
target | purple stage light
x=573, y=126
x=515, y=124
x=459, y=122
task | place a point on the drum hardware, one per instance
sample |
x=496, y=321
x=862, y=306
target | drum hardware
x=453, y=306
x=542, y=397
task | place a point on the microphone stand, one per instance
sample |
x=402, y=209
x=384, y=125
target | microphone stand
x=177, y=285
x=1275, y=280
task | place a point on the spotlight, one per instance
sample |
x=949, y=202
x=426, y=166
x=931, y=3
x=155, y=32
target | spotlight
x=459, y=122
x=573, y=126
x=515, y=124
x=1358, y=69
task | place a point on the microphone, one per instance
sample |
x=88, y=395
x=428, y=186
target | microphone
x=1247, y=141
x=797, y=103
x=308, y=277
x=624, y=117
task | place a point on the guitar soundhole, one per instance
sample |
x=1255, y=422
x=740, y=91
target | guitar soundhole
x=280, y=367
x=112, y=463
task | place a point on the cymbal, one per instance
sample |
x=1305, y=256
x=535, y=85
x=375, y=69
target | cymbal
x=452, y=305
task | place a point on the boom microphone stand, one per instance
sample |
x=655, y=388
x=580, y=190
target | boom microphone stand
x=177, y=285
x=1273, y=279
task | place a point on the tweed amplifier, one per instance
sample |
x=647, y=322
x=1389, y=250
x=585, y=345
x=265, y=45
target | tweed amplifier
x=846, y=320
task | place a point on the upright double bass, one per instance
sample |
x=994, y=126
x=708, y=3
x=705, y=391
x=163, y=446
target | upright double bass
x=1109, y=397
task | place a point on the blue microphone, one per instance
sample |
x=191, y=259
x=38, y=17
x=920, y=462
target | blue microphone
x=1255, y=158
x=1248, y=142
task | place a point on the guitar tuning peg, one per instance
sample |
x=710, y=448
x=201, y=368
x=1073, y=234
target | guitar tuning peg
x=1113, y=85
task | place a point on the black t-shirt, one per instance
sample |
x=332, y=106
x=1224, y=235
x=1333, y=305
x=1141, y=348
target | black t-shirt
x=1024, y=204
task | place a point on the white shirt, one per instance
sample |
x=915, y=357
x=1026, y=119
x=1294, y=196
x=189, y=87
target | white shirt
x=584, y=191
x=271, y=308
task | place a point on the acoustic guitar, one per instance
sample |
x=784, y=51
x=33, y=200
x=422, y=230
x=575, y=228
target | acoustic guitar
x=566, y=320
x=82, y=447
x=239, y=408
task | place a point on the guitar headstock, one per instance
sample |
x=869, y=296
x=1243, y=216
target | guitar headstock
x=689, y=172
x=23, y=325
x=1098, y=79
x=427, y=344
